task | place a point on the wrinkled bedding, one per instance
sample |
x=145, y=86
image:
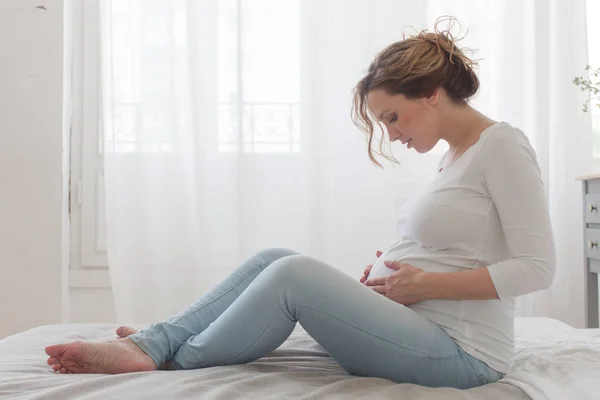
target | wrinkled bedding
x=299, y=369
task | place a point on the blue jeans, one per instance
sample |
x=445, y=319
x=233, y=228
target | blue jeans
x=254, y=310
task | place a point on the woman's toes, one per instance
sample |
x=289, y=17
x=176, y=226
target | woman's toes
x=63, y=370
x=125, y=331
x=56, y=367
x=52, y=360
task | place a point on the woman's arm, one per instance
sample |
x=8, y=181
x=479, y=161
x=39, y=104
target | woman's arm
x=514, y=182
x=410, y=285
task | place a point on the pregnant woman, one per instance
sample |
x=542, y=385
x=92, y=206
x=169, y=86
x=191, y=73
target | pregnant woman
x=437, y=307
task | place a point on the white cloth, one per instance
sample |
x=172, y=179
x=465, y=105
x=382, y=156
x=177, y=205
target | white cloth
x=487, y=208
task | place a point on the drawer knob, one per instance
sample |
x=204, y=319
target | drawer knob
x=593, y=245
x=593, y=208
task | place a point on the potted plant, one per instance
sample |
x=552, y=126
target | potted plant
x=590, y=85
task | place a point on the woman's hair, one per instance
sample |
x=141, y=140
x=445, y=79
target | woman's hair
x=415, y=67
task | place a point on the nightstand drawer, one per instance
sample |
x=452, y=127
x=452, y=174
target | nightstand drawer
x=592, y=208
x=592, y=243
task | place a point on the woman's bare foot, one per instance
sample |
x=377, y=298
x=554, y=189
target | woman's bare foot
x=112, y=357
x=125, y=331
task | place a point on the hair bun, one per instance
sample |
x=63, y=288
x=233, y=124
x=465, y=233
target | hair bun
x=460, y=81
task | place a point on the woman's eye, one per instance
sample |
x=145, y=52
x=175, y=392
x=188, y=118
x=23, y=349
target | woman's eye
x=394, y=118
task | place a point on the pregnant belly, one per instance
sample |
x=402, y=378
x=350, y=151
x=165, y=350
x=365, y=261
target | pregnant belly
x=423, y=258
x=379, y=269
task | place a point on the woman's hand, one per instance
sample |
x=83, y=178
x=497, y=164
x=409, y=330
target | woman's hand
x=368, y=269
x=404, y=286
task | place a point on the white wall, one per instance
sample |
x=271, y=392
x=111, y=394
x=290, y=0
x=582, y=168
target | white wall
x=89, y=304
x=33, y=161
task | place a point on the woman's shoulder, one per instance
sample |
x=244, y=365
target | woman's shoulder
x=503, y=133
x=504, y=140
x=506, y=154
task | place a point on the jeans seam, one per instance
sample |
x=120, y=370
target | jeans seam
x=480, y=377
x=161, y=326
x=139, y=342
x=386, y=340
x=479, y=380
x=255, y=340
x=262, y=265
x=346, y=323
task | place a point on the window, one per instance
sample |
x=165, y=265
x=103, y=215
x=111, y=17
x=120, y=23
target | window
x=256, y=103
x=141, y=77
x=88, y=230
x=259, y=76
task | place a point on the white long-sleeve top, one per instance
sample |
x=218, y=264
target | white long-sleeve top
x=487, y=209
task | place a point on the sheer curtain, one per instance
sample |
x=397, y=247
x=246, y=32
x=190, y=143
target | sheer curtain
x=227, y=129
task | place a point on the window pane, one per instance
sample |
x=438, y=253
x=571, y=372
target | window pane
x=259, y=76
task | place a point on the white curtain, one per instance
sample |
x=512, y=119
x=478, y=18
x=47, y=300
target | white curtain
x=227, y=129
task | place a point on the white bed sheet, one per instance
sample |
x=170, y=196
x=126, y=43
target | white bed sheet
x=556, y=361
x=549, y=355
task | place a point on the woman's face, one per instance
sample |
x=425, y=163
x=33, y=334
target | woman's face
x=412, y=122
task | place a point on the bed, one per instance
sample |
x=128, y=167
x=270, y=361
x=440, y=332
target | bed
x=553, y=361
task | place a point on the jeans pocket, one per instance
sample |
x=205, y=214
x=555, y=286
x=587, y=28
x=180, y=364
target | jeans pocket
x=485, y=374
x=480, y=380
x=481, y=373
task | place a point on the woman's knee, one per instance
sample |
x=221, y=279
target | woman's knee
x=270, y=255
x=294, y=269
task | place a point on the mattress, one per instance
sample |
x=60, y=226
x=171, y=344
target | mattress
x=299, y=369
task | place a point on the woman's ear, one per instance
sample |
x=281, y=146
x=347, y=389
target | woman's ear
x=434, y=99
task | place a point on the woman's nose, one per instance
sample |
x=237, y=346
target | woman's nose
x=394, y=136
